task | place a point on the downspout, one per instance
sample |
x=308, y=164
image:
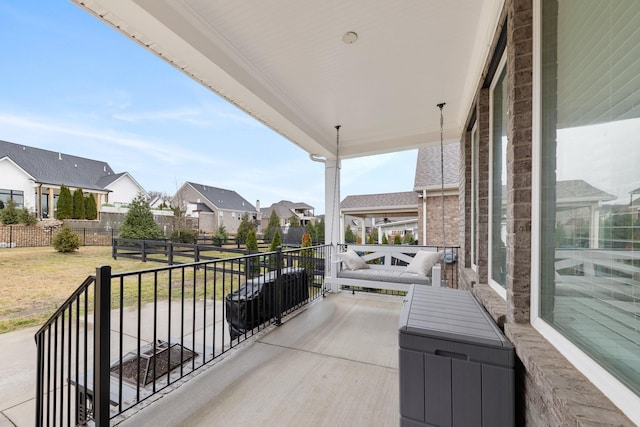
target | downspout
x=317, y=158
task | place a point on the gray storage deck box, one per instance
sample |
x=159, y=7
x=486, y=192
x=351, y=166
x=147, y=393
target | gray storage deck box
x=456, y=367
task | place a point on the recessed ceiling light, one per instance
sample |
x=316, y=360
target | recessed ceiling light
x=350, y=37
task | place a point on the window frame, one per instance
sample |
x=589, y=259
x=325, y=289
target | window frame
x=475, y=174
x=502, y=291
x=608, y=384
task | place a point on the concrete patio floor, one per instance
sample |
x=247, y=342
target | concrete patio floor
x=335, y=363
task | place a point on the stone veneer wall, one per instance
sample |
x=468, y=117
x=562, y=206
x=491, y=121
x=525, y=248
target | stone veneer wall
x=549, y=390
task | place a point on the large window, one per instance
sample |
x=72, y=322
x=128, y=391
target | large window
x=590, y=179
x=498, y=230
x=15, y=195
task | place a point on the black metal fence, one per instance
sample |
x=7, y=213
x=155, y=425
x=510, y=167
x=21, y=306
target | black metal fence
x=120, y=338
x=16, y=236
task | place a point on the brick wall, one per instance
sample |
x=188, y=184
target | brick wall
x=549, y=389
x=519, y=125
x=434, y=221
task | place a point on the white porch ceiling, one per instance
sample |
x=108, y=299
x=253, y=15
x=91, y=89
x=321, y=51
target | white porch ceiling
x=284, y=62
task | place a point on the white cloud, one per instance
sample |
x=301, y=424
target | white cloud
x=142, y=147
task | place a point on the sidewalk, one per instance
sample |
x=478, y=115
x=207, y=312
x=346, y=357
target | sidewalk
x=17, y=378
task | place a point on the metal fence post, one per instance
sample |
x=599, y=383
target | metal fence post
x=101, y=346
x=279, y=285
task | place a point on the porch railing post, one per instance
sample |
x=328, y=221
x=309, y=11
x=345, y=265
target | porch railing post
x=101, y=346
x=279, y=285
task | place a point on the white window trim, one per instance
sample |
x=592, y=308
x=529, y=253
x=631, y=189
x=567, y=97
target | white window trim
x=618, y=393
x=474, y=195
x=492, y=283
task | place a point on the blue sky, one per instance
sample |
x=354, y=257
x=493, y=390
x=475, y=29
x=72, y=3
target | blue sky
x=72, y=84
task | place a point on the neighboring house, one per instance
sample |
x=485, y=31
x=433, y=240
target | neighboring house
x=579, y=211
x=404, y=212
x=435, y=192
x=380, y=210
x=32, y=178
x=213, y=206
x=285, y=210
x=160, y=201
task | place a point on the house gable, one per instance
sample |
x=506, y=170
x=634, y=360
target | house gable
x=14, y=178
x=123, y=187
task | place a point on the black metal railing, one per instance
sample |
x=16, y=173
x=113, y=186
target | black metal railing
x=122, y=337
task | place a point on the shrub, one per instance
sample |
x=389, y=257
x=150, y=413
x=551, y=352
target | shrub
x=408, y=238
x=349, y=235
x=66, y=240
x=90, y=208
x=10, y=215
x=243, y=229
x=64, y=207
x=221, y=235
x=307, y=254
x=277, y=240
x=275, y=244
x=78, y=204
x=138, y=222
x=252, y=241
x=253, y=265
x=274, y=223
x=27, y=217
x=184, y=235
x=397, y=240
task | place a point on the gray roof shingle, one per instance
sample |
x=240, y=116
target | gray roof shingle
x=50, y=167
x=429, y=169
x=405, y=198
x=222, y=198
x=577, y=189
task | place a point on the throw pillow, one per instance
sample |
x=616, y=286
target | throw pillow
x=423, y=261
x=352, y=260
